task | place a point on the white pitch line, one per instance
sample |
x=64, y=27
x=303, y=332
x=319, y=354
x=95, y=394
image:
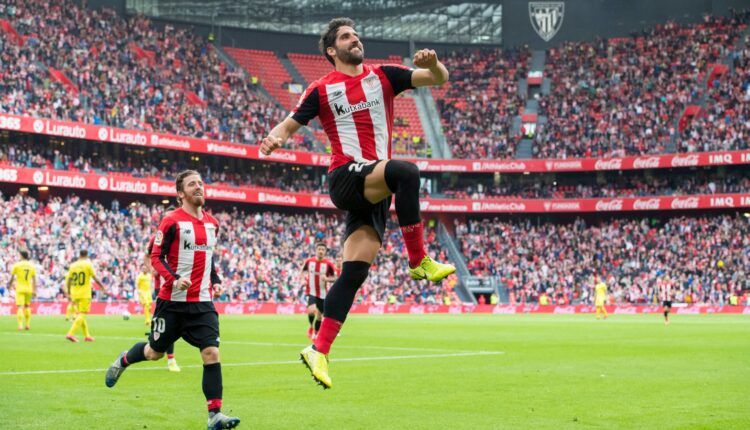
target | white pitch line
x=271, y=344
x=262, y=363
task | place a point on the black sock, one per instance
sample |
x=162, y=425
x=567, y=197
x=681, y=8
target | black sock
x=311, y=318
x=134, y=355
x=665, y=314
x=317, y=325
x=212, y=387
x=402, y=178
x=341, y=295
x=170, y=349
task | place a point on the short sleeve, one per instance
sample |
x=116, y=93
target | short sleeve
x=308, y=106
x=399, y=77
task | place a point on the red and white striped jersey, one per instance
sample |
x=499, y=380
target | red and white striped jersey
x=184, y=247
x=316, y=270
x=665, y=291
x=356, y=111
x=157, y=277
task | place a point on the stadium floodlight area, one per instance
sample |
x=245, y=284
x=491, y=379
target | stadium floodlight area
x=435, y=21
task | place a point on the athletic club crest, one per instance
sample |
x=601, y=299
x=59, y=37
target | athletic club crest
x=546, y=18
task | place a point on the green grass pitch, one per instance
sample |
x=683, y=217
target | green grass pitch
x=396, y=372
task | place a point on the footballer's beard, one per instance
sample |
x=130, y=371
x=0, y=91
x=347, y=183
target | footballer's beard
x=349, y=56
x=196, y=200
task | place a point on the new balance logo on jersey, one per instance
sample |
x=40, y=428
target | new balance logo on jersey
x=188, y=232
x=187, y=246
x=341, y=110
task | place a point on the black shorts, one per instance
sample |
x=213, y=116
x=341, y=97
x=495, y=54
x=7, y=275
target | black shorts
x=667, y=303
x=346, y=186
x=317, y=301
x=197, y=323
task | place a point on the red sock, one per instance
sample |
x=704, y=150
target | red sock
x=329, y=329
x=170, y=356
x=414, y=240
x=214, y=405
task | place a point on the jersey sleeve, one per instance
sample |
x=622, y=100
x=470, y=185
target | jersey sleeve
x=331, y=269
x=399, y=77
x=14, y=270
x=308, y=106
x=92, y=271
x=165, y=236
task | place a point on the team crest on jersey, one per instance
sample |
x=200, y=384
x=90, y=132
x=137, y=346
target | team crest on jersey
x=546, y=18
x=370, y=81
x=159, y=237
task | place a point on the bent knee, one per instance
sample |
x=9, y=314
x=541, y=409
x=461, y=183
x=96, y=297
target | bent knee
x=210, y=355
x=151, y=354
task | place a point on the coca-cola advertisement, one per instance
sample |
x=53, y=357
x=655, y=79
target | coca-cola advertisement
x=230, y=149
x=250, y=308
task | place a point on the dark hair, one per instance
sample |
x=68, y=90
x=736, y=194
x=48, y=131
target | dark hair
x=24, y=254
x=83, y=253
x=180, y=178
x=321, y=244
x=328, y=37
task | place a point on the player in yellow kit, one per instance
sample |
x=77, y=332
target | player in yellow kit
x=24, y=274
x=143, y=282
x=78, y=283
x=600, y=297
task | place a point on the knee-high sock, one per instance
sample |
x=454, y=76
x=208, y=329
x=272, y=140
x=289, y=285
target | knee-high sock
x=19, y=317
x=339, y=301
x=135, y=354
x=27, y=314
x=212, y=386
x=402, y=178
x=74, y=327
x=84, y=325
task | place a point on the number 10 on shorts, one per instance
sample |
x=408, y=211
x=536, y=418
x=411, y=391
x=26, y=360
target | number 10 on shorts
x=158, y=325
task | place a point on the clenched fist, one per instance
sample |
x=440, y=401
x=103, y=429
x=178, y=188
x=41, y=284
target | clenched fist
x=270, y=144
x=183, y=284
x=425, y=59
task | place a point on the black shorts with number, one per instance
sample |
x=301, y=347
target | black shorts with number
x=346, y=186
x=317, y=301
x=667, y=303
x=196, y=322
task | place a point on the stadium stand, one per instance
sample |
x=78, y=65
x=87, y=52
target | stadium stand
x=259, y=258
x=559, y=259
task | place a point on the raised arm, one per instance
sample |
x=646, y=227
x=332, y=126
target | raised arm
x=430, y=71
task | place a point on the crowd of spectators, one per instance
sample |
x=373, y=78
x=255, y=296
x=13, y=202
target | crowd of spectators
x=259, y=253
x=479, y=103
x=310, y=180
x=69, y=157
x=707, y=257
x=611, y=97
x=125, y=72
x=724, y=122
x=624, y=96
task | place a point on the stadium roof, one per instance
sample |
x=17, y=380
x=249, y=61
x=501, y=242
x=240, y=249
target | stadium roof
x=435, y=21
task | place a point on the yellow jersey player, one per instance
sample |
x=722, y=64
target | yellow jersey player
x=600, y=297
x=143, y=282
x=24, y=274
x=78, y=285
